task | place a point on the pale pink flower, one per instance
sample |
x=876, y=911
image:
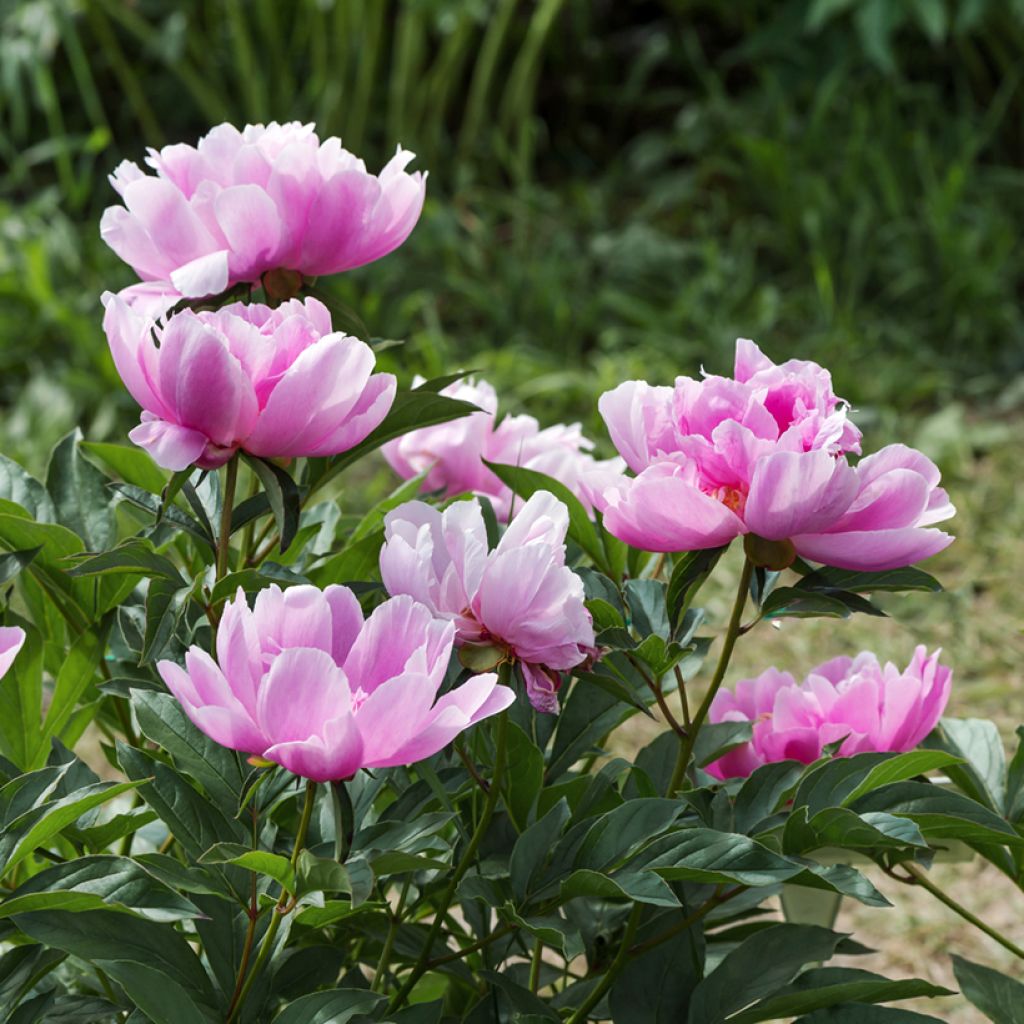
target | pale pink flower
x=452, y=454
x=270, y=197
x=867, y=706
x=12, y=639
x=521, y=596
x=275, y=383
x=765, y=453
x=302, y=680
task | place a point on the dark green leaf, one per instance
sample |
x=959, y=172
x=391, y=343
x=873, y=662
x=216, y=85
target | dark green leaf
x=758, y=967
x=525, y=772
x=863, y=1013
x=11, y=564
x=18, y=486
x=332, y=1007
x=688, y=575
x=763, y=793
x=166, y=601
x=645, y=600
x=619, y=833
x=171, y=514
x=133, y=556
x=637, y=886
x=533, y=848
x=357, y=561
x=788, y=602
x=282, y=494
x=978, y=743
x=827, y=578
x=1000, y=998
x=717, y=739
x=80, y=494
x=706, y=855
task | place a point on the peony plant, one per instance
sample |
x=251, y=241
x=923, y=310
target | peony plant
x=262, y=761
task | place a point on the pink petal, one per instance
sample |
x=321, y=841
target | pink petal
x=300, y=616
x=798, y=492
x=393, y=714
x=205, y=275
x=346, y=620
x=11, y=640
x=251, y=224
x=872, y=550
x=303, y=690
x=658, y=511
x=173, y=447
x=337, y=755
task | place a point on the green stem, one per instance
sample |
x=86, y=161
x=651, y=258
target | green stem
x=247, y=530
x=385, y=954
x=224, y=535
x=279, y=911
x=615, y=968
x=468, y=857
x=728, y=643
x=538, y=951
x=921, y=879
x=683, y=701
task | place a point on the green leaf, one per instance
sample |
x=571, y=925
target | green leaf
x=282, y=494
x=587, y=716
x=655, y=988
x=941, y=814
x=1015, y=781
x=862, y=1013
x=11, y=564
x=131, y=464
x=688, y=575
x=526, y=482
x=525, y=772
x=358, y=561
x=533, y=849
x=764, y=792
x=759, y=966
x=645, y=600
x=252, y=581
x=100, y=882
x=78, y=670
x=1000, y=998
x=57, y=815
x=819, y=989
x=194, y=821
x=166, y=601
x=135, y=556
x=218, y=770
x=977, y=742
x=169, y=514
x=827, y=579
x=639, y=887
x=80, y=494
x=707, y=855
x=898, y=768
x=788, y=602
x=621, y=832
x=840, y=827
x=273, y=865
x=335, y=1006
x=18, y=486
x=320, y=874
x=147, y=951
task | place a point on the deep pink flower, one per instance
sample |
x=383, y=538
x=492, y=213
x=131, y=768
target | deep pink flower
x=12, y=639
x=451, y=453
x=867, y=706
x=270, y=197
x=521, y=596
x=302, y=680
x=275, y=383
x=765, y=453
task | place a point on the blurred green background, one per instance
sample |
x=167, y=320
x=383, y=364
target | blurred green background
x=617, y=188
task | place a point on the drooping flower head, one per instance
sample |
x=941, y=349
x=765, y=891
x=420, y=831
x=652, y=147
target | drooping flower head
x=452, y=454
x=302, y=680
x=275, y=383
x=869, y=707
x=241, y=203
x=12, y=639
x=521, y=596
x=765, y=453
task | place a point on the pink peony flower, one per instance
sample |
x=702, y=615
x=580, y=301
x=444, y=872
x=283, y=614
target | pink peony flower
x=765, y=453
x=270, y=197
x=521, y=596
x=451, y=453
x=302, y=680
x=276, y=383
x=12, y=639
x=867, y=706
